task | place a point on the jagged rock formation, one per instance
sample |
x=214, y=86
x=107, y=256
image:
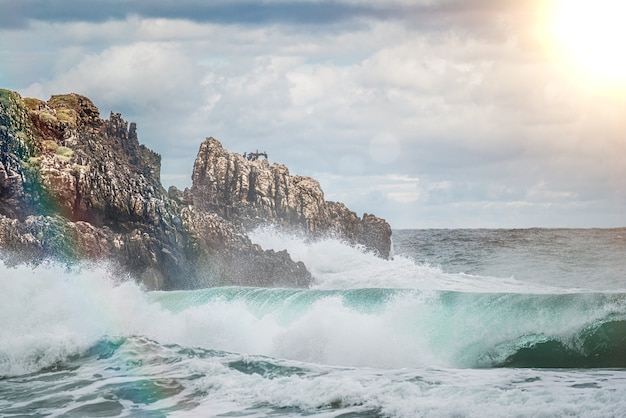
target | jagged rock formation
x=74, y=186
x=254, y=192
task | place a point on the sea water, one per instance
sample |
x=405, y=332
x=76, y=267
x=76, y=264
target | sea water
x=457, y=323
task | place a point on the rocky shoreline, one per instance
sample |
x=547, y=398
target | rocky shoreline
x=77, y=187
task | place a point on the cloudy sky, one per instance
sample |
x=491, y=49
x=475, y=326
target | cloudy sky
x=429, y=113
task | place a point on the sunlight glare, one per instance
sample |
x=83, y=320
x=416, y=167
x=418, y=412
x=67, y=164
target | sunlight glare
x=592, y=35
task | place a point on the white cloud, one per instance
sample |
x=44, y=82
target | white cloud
x=421, y=125
x=149, y=76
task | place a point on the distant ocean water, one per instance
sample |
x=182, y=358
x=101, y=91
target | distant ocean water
x=459, y=323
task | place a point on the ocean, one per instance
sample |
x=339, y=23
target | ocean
x=458, y=323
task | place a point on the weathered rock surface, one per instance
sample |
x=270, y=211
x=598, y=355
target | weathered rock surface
x=253, y=192
x=74, y=186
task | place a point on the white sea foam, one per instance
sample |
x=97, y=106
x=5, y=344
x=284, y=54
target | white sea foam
x=338, y=265
x=49, y=314
x=422, y=393
x=210, y=385
x=389, y=337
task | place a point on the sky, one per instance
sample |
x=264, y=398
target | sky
x=428, y=113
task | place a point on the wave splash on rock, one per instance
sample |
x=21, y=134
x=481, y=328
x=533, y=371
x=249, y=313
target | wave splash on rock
x=77, y=187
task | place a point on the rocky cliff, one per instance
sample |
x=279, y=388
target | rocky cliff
x=74, y=186
x=253, y=192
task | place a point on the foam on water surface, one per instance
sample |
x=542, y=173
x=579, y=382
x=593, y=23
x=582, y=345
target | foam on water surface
x=136, y=376
x=50, y=314
x=373, y=337
x=337, y=265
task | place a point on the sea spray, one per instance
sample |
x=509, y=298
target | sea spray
x=401, y=328
x=52, y=312
x=335, y=264
x=77, y=342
